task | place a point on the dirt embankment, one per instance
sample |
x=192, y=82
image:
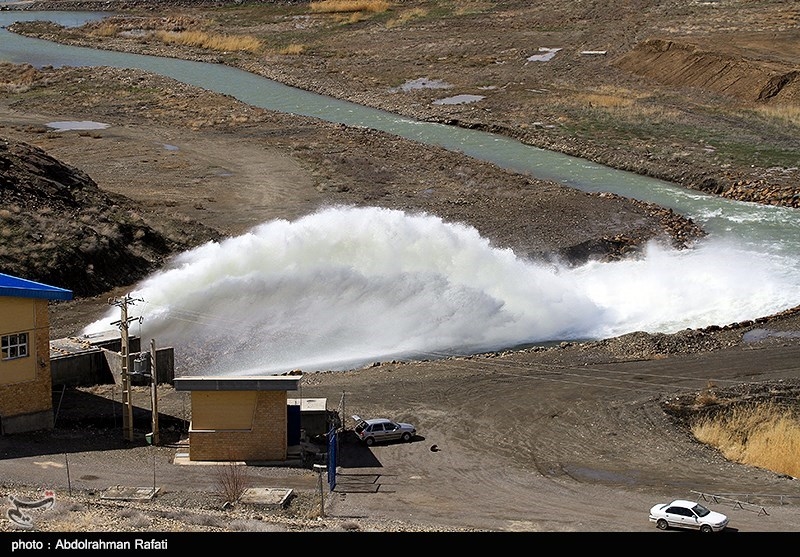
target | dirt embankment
x=681, y=64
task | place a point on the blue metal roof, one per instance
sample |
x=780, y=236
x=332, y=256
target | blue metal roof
x=21, y=288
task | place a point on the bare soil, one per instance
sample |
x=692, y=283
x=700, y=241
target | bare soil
x=581, y=437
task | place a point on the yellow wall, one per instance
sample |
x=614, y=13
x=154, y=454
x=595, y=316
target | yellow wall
x=239, y=425
x=17, y=314
x=25, y=383
x=223, y=409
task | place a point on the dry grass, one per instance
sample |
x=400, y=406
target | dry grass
x=179, y=34
x=707, y=396
x=292, y=49
x=348, y=6
x=406, y=16
x=135, y=520
x=210, y=41
x=105, y=30
x=788, y=114
x=765, y=435
x=471, y=7
x=625, y=102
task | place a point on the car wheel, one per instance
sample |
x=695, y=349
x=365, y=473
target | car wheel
x=369, y=441
x=406, y=437
x=705, y=528
x=662, y=524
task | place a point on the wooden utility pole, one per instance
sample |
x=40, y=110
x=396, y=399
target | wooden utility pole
x=127, y=404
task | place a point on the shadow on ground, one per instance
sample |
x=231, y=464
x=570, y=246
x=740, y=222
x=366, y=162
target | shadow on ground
x=84, y=422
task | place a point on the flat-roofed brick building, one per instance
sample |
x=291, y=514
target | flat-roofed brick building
x=238, y=418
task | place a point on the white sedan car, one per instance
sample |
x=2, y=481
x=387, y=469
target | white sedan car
x=687, y=514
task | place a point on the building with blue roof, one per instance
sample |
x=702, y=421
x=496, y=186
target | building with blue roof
x=11, y=286
x=26, y=400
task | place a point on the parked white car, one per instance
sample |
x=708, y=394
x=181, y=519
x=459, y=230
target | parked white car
x=687, y=514
x=376, y=430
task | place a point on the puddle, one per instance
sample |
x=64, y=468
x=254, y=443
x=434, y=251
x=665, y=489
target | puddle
x=546, y=54
x=592, y=474
x=424, y=83
x=460, y=99
x=170, y=147
x=77, y=125
x=421, y=83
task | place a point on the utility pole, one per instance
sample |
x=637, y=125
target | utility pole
x=154, y=391
x=127, y=404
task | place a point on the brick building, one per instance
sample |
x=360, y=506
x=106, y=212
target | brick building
x=26, y=400
x=239, y=418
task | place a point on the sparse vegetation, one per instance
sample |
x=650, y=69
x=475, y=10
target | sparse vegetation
x=187, y=33
x=232, y=480
x=789, y=114
x=348, y=6
x=707, y=396
x=136, y=520
x=634, y=106
x=406, y=16
x=620, y=117
x=210, y=41
x=292, y=49
x=105, y=30
x=764, y=435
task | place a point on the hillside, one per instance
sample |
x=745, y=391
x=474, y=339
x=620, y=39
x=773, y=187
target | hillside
x=60, y=228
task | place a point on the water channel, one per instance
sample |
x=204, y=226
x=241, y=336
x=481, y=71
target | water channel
x=748, y=267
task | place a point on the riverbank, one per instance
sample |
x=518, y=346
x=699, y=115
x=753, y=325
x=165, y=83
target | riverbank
x=600, y=104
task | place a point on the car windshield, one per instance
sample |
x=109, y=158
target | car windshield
x=700, y=510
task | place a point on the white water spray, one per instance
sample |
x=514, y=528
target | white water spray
x=346, y=287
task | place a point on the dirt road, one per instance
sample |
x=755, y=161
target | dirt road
x=535, y=443
x=556, y=441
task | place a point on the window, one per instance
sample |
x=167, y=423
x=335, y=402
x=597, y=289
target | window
x=679, y=511
x=700, y=510
x=14, y=346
